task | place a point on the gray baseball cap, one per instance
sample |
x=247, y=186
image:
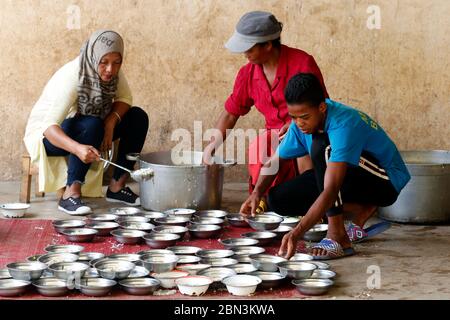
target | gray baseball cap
x=254, y=27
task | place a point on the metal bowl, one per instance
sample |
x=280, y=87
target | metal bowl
x=114, y=268
x=96, y=287
x=266, y=262
x=323, y=274
x=104, y=228
x=242, y=268
x=281, y=231
x=155, y=252
x=264, y=222
x=103, y=217
x=238, y=242
x=91, y=273
x=246, y=251
x=313, y=287
x=142, y=226
x=51, y=287
x=290, y=221
x=219, y=262
x=85, y=257
x=296, y=269
x=211, y=214
x=302, y=257
x=237, y=220
x=269, y=279
x=206, y=220
x=321, y=265
x=66, y=270
x=51, y=258
x=173, y=221
x=140, y=286
x=136, y=218
x=4, y=274
x=130, y=257
x=316, y=233
x=124, y=211
x=215, y=253
x=35, y=257
x=161, y=240
x=179, y=230
x=180, y=212
x=204, y=231
x=187, y=259
x=93, y=262
x=184, y=249
x=13, y=287
x=26, y=271
x=128, y=236
x=64, y=248
x=152, y=215
x=138, y=272
x=217, y=275
x=160, y=263
x=79, y=234
x=194, y=269
x=264, y=238
x=61, y=225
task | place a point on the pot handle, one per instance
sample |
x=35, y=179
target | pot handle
x=133, y=156
x=229, y=163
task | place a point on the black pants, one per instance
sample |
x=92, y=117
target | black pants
x=366, y=184
x=132, y=131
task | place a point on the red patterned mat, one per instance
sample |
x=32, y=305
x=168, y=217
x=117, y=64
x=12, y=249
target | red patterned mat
x=20, y=239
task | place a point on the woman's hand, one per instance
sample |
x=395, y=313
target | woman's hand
x=250, y=205
x=289, y=243
x=87, y=154
x=108, y=137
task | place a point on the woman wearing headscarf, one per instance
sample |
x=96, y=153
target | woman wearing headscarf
x=84, y=107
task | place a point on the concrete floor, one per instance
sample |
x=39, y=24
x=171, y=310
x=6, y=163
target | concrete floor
x=413, y=262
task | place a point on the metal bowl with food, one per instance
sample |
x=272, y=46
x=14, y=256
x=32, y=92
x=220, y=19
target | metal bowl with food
x=193, y=285
x=231, y=243
x=266, y=262
x=114, y=268
x=179, y=230
x=173, y=221
x=51, y=287
x=237, y=220
x=211, y=214
x=281, y=231
x=26, y=271
x=160, y=263
x=313, y=287
x=161, y=240
x=66, y=270
x=80, y=234
x=296, y=269
x=102, y=217
x=13, y=287
x=316, y=233
x=241, y=285
x=128, y=236
x=184, y=249
x=51, y=258
x=263, y=222
x=269, y=279
x=124, y=211
x=264, y=238
x=64, y=248
x=215, y=253
x=219, y=262
x=104, y=228
x=61, y=225
x=204, y=231
x=139, y=286
x=96, y=287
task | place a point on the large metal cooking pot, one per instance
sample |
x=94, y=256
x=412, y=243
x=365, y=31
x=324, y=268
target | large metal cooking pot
x=181, y=181
x=426, y=198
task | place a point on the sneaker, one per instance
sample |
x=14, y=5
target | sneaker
x=73, y=206
x=125, y=195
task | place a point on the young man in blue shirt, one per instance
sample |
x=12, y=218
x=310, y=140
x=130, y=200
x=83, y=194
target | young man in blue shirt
x=357, y=166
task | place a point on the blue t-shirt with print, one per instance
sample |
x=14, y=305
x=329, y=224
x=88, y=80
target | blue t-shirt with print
x=350, y=132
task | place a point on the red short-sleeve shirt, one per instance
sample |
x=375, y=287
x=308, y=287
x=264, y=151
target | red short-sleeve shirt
x=251, y=87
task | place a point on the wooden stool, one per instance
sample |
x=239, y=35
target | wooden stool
x=28, y=171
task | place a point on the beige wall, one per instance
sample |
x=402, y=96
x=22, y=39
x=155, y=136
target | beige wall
x=180, y=72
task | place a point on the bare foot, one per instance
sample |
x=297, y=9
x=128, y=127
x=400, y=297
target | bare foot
x=360, y=213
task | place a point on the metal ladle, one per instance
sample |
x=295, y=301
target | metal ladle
x=137, y=175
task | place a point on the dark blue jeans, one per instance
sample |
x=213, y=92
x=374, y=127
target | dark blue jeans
x=89, y=130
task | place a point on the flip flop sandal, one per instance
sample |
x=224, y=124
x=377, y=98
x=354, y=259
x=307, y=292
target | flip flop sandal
x=358, y=234
x=334, y=250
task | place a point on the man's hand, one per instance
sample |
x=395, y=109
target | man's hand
x=250, y=205
x=289, y=243
x=87, y=154
x=208, y=156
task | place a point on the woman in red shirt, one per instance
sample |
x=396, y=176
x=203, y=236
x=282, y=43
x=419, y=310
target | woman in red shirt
x=261, y=83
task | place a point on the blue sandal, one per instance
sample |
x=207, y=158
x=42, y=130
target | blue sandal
x=334, y=250
x=358, y=234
